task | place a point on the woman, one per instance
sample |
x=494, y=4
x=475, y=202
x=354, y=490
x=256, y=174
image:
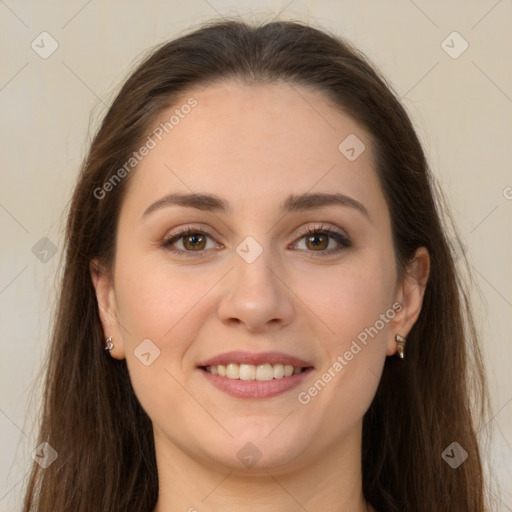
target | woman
x=255, y=241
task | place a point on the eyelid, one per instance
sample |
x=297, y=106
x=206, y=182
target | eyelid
x=335, y=233
x=181, y=233
x=325, y=228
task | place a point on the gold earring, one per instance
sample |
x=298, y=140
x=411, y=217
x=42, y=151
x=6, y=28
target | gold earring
x=400, y=341
x=108, y=344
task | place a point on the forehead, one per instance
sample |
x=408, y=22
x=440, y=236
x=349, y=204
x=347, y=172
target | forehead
x=256, y=142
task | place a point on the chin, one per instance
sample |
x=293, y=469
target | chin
x=253, y=450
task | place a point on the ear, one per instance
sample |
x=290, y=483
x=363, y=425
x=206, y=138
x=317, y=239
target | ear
x=107, y=308
x=409, y=294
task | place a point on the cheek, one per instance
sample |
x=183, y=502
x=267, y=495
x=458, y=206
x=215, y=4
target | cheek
x=354, y=352
x=350, y=299
x=154, y=296
x=153, y=303
x=355, y=308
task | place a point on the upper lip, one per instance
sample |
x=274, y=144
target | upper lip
x=243, y=357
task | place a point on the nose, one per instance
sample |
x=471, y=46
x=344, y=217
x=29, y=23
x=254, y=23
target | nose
x=256, y=296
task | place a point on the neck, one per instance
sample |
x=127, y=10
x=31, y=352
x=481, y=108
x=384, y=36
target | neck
x=330, y=482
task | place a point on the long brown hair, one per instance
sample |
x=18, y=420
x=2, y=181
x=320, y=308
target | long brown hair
x=91, y=415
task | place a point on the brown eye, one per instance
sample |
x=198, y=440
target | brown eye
x=317, y=241
x=194, y=241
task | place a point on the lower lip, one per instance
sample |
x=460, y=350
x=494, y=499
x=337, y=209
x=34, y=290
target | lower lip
x=254, y=388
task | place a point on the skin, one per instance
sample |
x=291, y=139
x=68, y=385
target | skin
x=254, y=146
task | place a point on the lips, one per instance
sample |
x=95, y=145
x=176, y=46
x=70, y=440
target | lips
x=248, y=375
x=241, y=357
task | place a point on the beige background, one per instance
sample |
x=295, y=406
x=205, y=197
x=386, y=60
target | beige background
x=49, y=108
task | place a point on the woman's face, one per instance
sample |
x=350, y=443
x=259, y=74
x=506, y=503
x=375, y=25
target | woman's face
x=256, y=168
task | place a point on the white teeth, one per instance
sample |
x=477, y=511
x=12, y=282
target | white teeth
x=247, y=372
x=262, y=372
x=278, y=371
x=233, y=371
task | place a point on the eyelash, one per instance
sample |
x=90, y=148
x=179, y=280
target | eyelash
x=309, y=231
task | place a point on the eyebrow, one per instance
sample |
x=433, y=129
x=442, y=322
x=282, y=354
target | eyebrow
x=294, y=203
